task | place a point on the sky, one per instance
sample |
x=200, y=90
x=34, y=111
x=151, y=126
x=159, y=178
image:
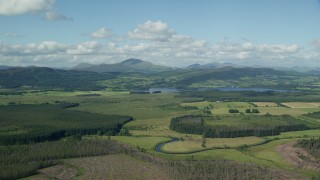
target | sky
x=64, y=33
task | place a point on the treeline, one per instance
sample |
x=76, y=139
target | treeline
x=185, y=125
x=23, y=124
x=70, y=105
x=229, y=132
x=311, y=145
x=188, y=124
x=19, y=161
x=315, y=115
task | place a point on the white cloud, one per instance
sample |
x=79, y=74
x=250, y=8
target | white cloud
x=316, y=43
x=279, y=49
x=84, y=48
x=179, y=51
x=102, y=33
x=152, y=30
x=164, y=46
x=17, y=7
x=55, y=16
x=32, y=49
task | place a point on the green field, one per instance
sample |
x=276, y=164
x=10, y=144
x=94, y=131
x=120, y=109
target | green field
x=297, y=134
x=147, y=143
x=222, y=108
x=265, y=104
x=302, y=104
x=195, y=144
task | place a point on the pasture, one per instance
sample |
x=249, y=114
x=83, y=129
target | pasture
x=195, y=144
x=145, y=142
x=265, y=104
x=218, y=105
x=302, y=104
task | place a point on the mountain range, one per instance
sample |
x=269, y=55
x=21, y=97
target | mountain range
x=140, y=66
x=129, y=65
x=139, y=74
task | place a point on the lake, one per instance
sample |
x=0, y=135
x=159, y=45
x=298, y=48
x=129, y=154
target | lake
x=227, y=89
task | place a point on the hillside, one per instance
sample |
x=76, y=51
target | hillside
x=226, y=73
x=44, y=77
x=214, y=65
x=129, y=65
x=4, y=67
x=123, y=77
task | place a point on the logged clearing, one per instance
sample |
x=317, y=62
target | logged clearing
x=116, y=167
x=102, y=167
x=59, y=172
x=302, y=104
x=298, y=156
x=265, y=104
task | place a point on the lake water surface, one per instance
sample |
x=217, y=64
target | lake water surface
x=226, y=89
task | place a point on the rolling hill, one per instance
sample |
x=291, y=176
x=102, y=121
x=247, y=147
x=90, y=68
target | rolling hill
x=137, y=74
x=226, y=73
x=44, y=77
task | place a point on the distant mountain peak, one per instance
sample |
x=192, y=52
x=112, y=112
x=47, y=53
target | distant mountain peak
x=194, y=66
x=129, y=65
x=132, y=61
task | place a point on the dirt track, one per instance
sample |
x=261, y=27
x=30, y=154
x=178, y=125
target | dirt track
x=298, y=156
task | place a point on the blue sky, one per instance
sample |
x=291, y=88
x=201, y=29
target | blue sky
x=63, y=33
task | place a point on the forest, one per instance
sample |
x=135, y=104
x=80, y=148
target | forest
x=196, y=125
x=23, y=124
x=312, y=145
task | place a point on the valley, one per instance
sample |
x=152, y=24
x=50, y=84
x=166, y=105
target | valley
x=150, y=123
x=159, y=90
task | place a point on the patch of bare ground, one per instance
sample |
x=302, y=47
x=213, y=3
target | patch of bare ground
x=285, y=175
x=298, y=156
x=59, y=171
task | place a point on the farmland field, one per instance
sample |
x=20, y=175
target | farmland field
x=265, y=104
x=302, y=105
x=148, y=143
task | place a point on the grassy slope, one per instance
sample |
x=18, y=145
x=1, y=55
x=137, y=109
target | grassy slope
x=148, y=143
x=195, y=144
